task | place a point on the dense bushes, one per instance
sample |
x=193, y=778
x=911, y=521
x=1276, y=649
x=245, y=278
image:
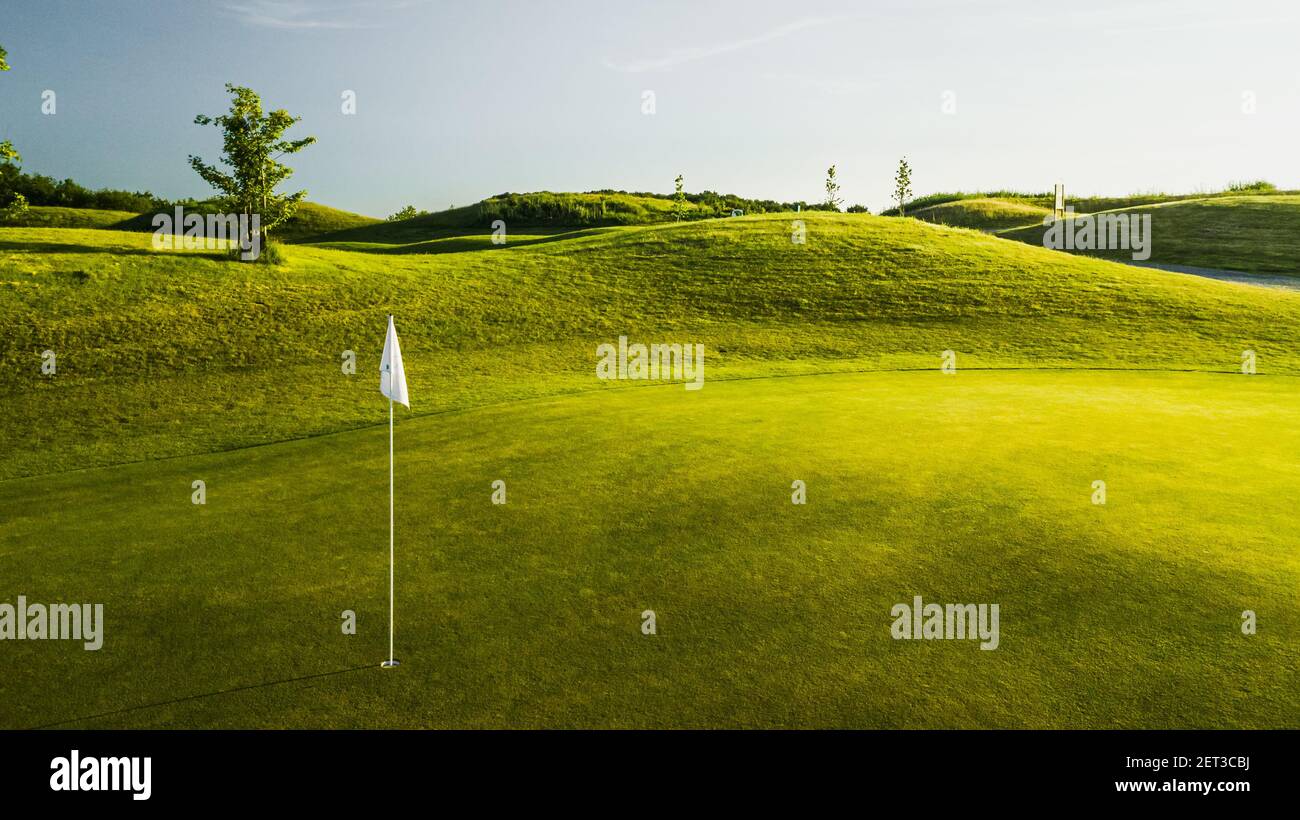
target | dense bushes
x=1255, y=186
x=42, y=190
x=609, y=207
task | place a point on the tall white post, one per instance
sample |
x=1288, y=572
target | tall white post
x=391, y=662
x=390, y=533
x=388, y=370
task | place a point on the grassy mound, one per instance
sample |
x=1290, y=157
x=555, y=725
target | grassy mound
x=168, y=353
x=1255, y=234
x=1083, y=204
x=983, y=214
x=41, y=216
x=546, y=213
x=309, y=221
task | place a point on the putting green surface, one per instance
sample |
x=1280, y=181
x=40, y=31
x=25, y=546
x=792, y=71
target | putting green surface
x=974, y=487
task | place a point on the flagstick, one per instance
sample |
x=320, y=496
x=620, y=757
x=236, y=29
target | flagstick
x=390, y=662
x=390, y=387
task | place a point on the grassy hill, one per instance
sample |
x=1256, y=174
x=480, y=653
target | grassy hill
x=983, y=214
x=230, y=344
x=310, y=220
x=1004, y=210
x=822, y=366
x=543, y=214
x=40, y=216
x=1253, y=233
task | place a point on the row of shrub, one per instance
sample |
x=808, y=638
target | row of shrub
x=610, y=207
x=39, y=189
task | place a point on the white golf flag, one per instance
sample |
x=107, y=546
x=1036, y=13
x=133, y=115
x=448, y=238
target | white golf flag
x=392, y=376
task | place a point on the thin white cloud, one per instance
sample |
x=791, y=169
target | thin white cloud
x=297, y=14
x=678, y=56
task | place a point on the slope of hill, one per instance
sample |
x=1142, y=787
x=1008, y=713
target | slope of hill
x=633, y=496
x=1254, y=234
x=983, y=213
x=1082, y=204
x=545, y=213
x=311, y=219
x=163, y=353
x=42, y=216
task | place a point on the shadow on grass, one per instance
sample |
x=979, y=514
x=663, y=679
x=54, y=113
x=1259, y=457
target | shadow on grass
x=116, y=250
x=452, y=244
x=187, y=698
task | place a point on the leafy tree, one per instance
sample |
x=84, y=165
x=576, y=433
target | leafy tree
x=857, y=209
x=409, y=212
x=252, y=143
x=832, y=190
x=7, y=152
x=15, y=209
x=903, y=185
x=679, y=199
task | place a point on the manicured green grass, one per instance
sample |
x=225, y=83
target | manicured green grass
x=1254, y=234
x=972, y=487
x=168, y=353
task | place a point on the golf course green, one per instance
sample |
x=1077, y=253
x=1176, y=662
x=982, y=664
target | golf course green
x=824, y=366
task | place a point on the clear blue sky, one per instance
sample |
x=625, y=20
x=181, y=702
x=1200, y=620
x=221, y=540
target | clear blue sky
x=457, y=101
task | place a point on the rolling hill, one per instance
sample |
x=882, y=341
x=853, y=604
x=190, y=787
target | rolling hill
x=544, y=213
x=231, y=342
x=983, y=214
x=1253, y=233
x=823, y=366
x=310, y=220
x=998, y=211
x=42, y=216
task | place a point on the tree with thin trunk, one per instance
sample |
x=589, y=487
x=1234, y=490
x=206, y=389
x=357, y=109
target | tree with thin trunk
x=903, y=185
x=832, y=190
x=252, y=144
x=679, y=199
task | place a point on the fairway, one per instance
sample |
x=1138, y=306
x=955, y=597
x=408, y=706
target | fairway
x=973, y=486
